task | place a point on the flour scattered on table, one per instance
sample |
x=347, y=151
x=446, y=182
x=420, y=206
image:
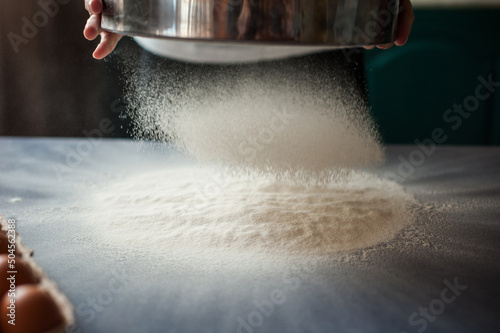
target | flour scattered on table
x=292, y=141
x=188, y=208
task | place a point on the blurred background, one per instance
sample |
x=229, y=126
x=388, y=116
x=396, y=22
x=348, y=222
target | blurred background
x=51, y=86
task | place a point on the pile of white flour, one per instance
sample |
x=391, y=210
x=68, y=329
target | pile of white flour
x=296, y=148
x=188, y=208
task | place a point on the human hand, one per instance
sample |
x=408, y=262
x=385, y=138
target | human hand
x=93, y=28
x=405, y=22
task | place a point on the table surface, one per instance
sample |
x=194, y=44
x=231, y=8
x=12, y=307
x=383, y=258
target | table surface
x=115, y=289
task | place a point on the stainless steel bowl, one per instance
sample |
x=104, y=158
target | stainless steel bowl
x=333, y=23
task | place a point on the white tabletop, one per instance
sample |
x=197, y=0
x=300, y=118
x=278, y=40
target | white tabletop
x=375, y=291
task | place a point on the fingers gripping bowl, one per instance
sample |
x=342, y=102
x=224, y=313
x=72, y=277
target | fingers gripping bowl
x=250, y=30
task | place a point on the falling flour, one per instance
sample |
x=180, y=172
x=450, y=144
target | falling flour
x=295, y=143
x=290, y=121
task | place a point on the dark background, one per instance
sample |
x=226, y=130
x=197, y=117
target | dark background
x=412, y=87
x=53, y=86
